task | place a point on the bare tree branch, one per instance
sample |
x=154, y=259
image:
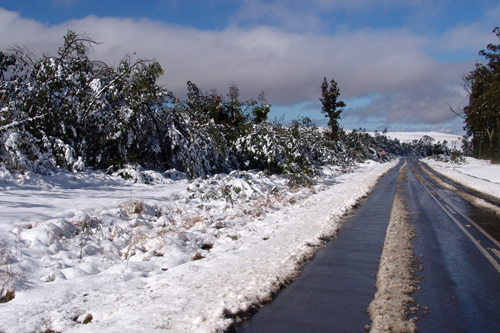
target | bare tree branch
x=24, y=54
x=455, y=112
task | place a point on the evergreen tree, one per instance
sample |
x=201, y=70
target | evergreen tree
x=482, y=114
x=332, y=108
x=260, y=109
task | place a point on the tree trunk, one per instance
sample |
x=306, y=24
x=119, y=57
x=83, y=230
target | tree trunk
x=490, y=137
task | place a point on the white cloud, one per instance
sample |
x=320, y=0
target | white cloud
x=24, y=32
x=466, y=37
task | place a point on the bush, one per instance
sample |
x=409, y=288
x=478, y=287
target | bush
x=69, y=112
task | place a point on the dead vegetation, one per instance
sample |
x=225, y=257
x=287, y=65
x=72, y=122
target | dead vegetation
x=133, y=207
x=7, y=277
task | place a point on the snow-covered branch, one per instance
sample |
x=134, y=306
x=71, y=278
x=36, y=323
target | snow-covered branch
x=17, y=123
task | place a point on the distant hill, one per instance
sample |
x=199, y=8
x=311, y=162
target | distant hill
x=454, y=140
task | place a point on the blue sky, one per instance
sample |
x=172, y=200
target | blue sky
x=398, y=63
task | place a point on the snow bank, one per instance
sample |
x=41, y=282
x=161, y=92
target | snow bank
x=479, y=175
x=100, y=254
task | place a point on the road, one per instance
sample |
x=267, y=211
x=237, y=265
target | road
x=458, y=275
x=460, y=279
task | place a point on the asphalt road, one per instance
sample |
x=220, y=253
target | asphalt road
x=335, y=288
x=458, y=278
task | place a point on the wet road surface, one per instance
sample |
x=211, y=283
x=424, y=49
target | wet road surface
x=460, y=279
x=335, y=288
x=458, y=276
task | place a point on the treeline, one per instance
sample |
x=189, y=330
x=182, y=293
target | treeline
x=68, y=111
x=482, y=114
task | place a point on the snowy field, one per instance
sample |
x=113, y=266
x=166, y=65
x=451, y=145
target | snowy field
x=88, y=252
x=94, y=253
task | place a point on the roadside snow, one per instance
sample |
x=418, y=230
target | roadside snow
x=479, y=175
x=90, y=252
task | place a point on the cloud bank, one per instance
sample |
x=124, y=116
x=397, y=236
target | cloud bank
x=392, y=64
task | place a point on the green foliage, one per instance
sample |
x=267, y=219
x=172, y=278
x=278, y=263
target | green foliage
x=299, y=180
x=74, y=112
x=237, y=189
x=482, y=114
x=467, y=147
x=125, y=175
x=457, y=158
x=332, y=108
x=260, y=108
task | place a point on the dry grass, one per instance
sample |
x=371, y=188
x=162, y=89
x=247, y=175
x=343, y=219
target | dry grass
x=271, y=200
x=138, y=242
x=165, y=231
x=7, y=277
x=197, y=256
x=133, y=206
x=189, y=222
x=7, y=295
x=252, y=212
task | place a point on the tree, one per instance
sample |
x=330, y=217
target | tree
x=69, y=111
x=332, y=108
x=259, y=108
x=145, y=140
x=482, y=114
x=44, y=99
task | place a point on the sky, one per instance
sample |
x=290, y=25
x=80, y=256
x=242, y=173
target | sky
x=398, y=63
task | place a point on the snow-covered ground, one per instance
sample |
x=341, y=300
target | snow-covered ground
x=90, y=252
x=87, y=252
x=479, y=175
